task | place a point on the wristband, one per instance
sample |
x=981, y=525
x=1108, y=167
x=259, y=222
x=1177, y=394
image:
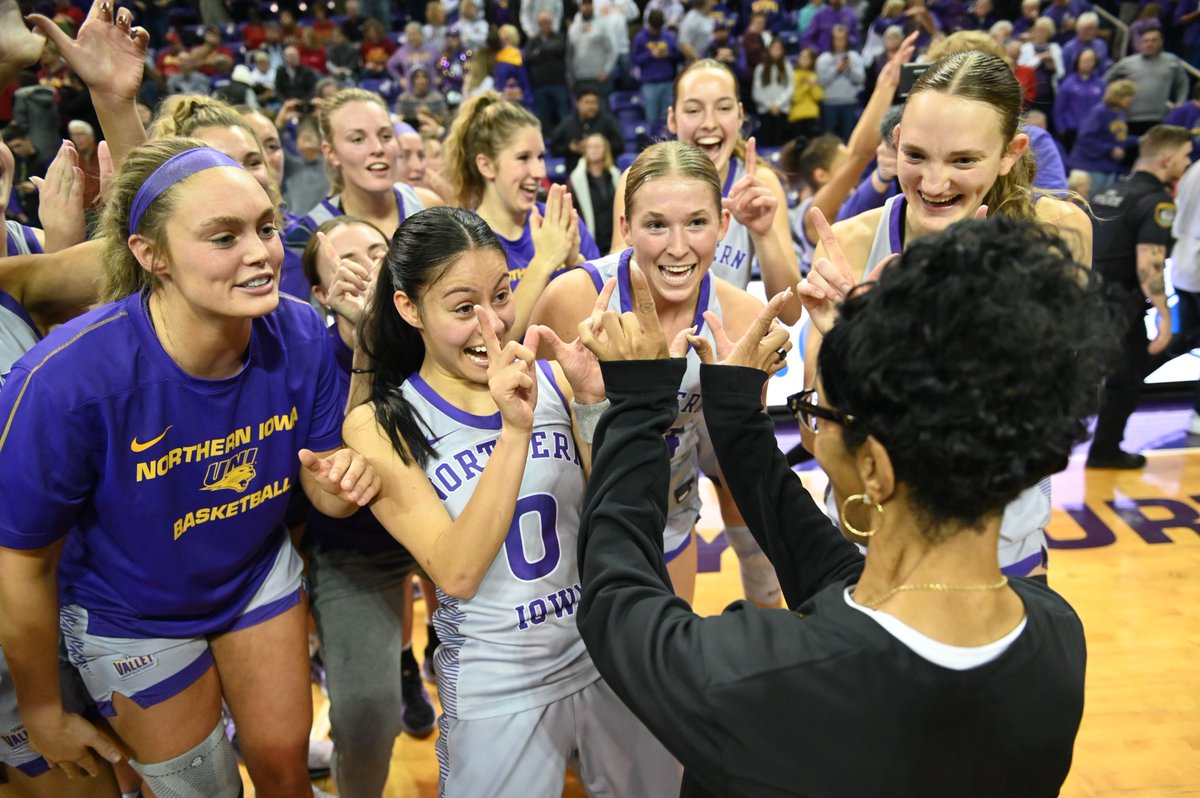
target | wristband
x=588, y=416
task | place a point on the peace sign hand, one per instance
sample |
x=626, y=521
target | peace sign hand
x=628, y=336
x=750, y=200
x=764, y=346
x=512, y=375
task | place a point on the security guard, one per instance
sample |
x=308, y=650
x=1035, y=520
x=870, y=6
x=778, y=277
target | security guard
x=1132, y=239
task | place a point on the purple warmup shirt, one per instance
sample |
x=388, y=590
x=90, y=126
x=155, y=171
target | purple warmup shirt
x=656, y=57
x=520, y=251
x=174, y=487
x=1075, y=98
x=1100, y=131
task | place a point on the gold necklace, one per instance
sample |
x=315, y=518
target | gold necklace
x=935, y=586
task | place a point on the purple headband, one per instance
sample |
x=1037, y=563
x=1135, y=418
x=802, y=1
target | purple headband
x=176, y=168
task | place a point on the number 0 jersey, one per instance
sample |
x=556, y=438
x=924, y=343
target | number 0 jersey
x=514, y=645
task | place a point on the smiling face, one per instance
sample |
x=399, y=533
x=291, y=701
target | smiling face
x=516, y=173
x=707, y=113
x=268, y=134
x=1086, y=63
x=222, y=263
x=241, y=147
x=951, y=151
x=363, y=146
x=360, y=243
x=674, y=227
x=445, y=314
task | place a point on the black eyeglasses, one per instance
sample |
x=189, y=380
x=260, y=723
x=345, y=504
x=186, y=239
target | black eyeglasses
x=805, y=408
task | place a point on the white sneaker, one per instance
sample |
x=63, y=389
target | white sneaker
x=319, y=793
x=1193, y=427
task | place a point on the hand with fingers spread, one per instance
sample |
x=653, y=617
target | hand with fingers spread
x=350, y=290
x=512, y=373
x=579, y=365
x=764, y=346
x=343, y=473
x=628, y=336
x=107, y=53
x=750, y=200
x=551, y=233
x=71, y=742
x=61, y=194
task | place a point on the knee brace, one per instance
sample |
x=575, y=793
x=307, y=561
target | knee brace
x=207, y=771
x=759, y=582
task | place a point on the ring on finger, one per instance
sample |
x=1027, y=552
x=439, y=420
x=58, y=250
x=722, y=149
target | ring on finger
x=781, y=352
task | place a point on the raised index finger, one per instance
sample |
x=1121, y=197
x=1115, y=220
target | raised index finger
x=833, y=249
x=643, y=301
x=751, y=156
x=328, y=251
x=490, y=339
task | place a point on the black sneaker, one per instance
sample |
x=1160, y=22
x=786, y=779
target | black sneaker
x=417, y=715
x=1118, y=459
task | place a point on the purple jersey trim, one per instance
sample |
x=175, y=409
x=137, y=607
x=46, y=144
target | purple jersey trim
x=35, y=768
x=597, y=280
x=1025, y=566
x=493, y=421
x=680, y=549
x=549, y=372
x=267, y=611
x=733, y=167
x=894, y=229
x=13, y=305
x=167, y=688
x=31, y=241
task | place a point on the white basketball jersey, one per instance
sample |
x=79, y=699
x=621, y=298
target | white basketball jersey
x=683, y=439
x=514, y=645
x=734, y=259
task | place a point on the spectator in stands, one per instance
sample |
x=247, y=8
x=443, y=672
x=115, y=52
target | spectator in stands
x=512, y=79
x=478, y=77
x=657, y=57
x=205, y=54
x=754, y=43
x=274, y=44
x=591, y=55
x=923, y=21
x=342, y=57
x=982, y=16
x=949, y=15
x=435, y=25
x=379, y=10
x=1001, y=31
x=35, y=109
x=1030, y=11
x=375, y=39
x=167, y=60
x=472, y=27
x=892, y=16
x=376, y=78
x=593, y=184
x=187, y=80
x=893, y=37
x=29, y=163
x=262, y=77
x=724, y=48
x=83, y=136
x=254, y=32
x=1187, y=116
x=312, y=52
x=804, y=115
x=1187, y=24
x=239, y=89
x=819, y=35
x=452, y=66
x=352, y=22
x=294, y=80
x=321, y=24
x=567, y=140
x=1148, y=18
x=616, y=16
x=672, y=11
x=422, y=96
x=413, y=53
x=772, y=92
x=531, y=11
x=1100, y=146
x=1065, y=14
x=841, y=73
x=696, y=30
x=546, y=63
x=1160, y=81
x=1078, y=94
x=1086, y=29
x=805, y=17
x=1044, y=56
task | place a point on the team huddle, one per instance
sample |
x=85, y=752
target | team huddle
x=422, y=388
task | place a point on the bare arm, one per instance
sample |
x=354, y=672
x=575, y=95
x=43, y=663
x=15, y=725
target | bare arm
x=58, y=286
x=1151, y=264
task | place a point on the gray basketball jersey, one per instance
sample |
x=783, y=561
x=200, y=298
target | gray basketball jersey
x=683, y=439
x=1023, y=525
x=514, y=645
x=18, y=332
x=734, y=260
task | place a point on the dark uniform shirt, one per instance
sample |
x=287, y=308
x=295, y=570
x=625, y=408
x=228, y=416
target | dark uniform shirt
x=1137, y=210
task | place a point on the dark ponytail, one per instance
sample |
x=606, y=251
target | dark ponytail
x=423, y=247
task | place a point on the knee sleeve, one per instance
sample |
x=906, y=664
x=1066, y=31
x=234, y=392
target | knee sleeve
x=207, y=771
x=758, y=576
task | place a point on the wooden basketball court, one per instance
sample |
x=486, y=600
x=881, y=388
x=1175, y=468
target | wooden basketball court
x=1126, y=554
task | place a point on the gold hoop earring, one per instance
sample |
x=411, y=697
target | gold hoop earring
x=864, y=498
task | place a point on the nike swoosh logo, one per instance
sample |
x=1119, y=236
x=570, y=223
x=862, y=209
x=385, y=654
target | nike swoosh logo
x=432, y=441
x=135, y=446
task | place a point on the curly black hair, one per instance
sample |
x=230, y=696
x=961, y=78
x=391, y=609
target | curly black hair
x=976, y=361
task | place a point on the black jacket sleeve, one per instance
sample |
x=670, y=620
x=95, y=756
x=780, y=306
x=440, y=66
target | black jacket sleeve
x=804, y=546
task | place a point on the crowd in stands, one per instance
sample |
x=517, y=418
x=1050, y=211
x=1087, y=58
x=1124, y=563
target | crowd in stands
x=607, y=67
